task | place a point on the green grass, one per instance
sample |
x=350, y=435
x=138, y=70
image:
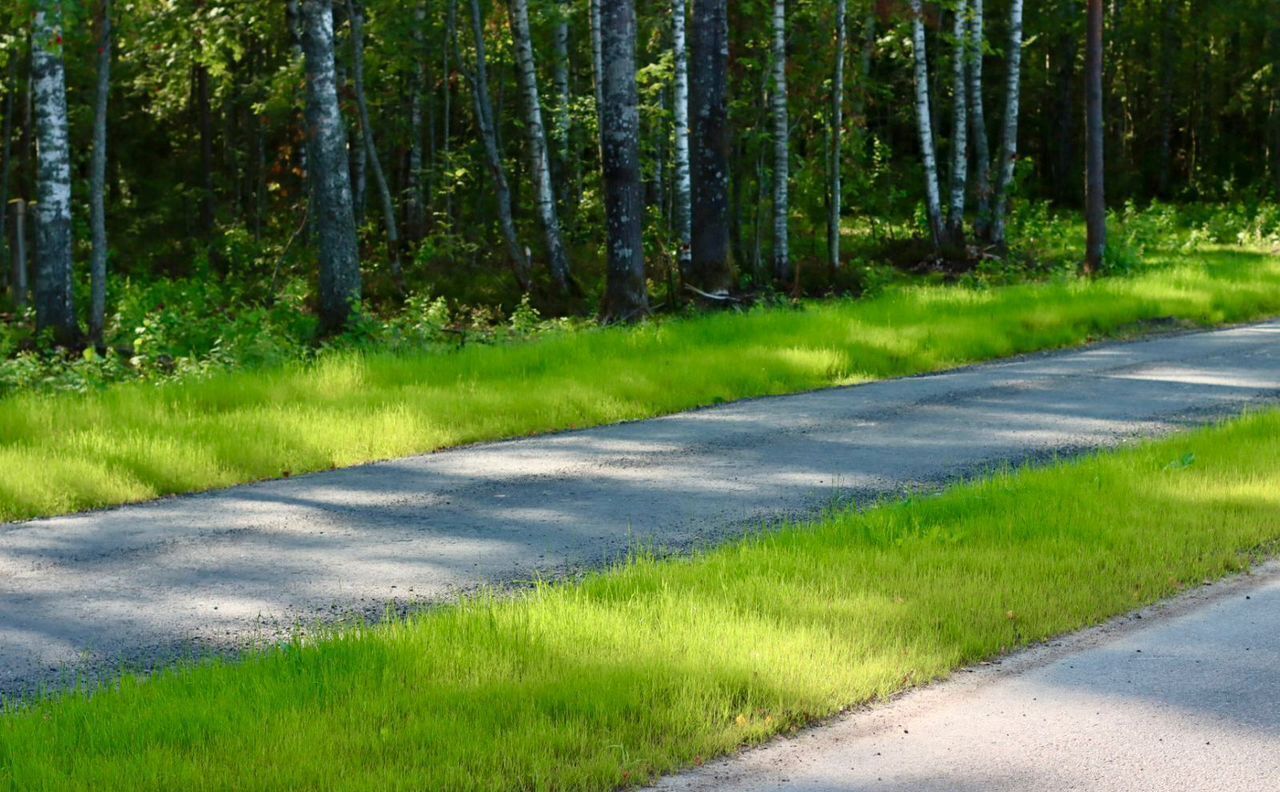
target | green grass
x=656, y=664
x=69, y=452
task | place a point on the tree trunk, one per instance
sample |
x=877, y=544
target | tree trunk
x=710, y=268
x=6, y=158
x=331, y=185
x=484, y=119
x=97, y=179
x=959, y=129
x=563, y=95
x=20, y=254
x=978, y=122
x=626, y=298
x=450, y=37
x=683, y=188
x=1009, y=138
x=356, y=12
x=55, y=302
x=924, y=124
x=836, y=188
x=1095, y=200
x=204, y=113
x=545, y=197
x=416, y=211
x=781, y=147
x=597, y=66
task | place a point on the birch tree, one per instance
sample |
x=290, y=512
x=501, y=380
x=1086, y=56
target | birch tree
x=978, y=121
x=1095, y=213
x=959, y=127
x=355, y=12
x=544, y=196
x=781, y=146
x=924, y=124
x=6, y=158
x=564, y=99
x=680, y=111
x=450, y=38
x=55, y=301
x=1009, y=137
x=626, y=298
x=97, y=186
x=836, y=138
x=330, y=178
x=710, y=267
x=484, y=119
x=415, y=209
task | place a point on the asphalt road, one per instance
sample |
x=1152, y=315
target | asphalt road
x=138, y=585
x=1184, y=699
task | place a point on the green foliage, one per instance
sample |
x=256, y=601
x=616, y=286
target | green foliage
x=657, y=664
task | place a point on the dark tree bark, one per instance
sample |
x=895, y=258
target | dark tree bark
x=626, y=298
x=416, y=211
x=97, y=180
x=55, y=302
x=356, y=13
x=6, y=157
x=710, y=268
x=484, y=118
x=1095, y=200
x=204, y=112
x=20, y=254
x=331, y=184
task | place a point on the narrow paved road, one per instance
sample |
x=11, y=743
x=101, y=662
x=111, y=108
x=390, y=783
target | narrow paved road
x=1186, y=699
x=222, y=570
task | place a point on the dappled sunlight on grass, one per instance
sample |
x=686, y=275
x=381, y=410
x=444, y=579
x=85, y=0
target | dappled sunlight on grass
x=656, y=664
x=136, y=441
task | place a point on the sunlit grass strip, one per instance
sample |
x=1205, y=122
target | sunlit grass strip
x=650, y=666
x=65, y=453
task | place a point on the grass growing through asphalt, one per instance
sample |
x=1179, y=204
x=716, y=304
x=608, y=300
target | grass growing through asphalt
x=68, y=452
x=657, y=663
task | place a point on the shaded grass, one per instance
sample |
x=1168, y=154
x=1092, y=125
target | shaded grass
x=656, y=664
x=67, y=452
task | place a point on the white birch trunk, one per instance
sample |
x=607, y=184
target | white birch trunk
x=683, y=187
x=781, y=146
x=1009, y=138
x=334, y=221
x=959, y=128
x=544, y=195
x=97, y=178
x=55, y=305
x=978, y=120
x=837, y=139
x=561, y=79
x=597, y=67
x=924, y=123
x=356, y=14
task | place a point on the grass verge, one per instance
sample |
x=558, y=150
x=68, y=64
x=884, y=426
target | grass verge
x=70, y=452
x=657, y=663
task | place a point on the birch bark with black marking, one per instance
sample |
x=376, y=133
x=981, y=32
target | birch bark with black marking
x=1009, y=138
x=334, y=220
x=54, y=301
x=544, y=195
x=924, y=124
x=781, y=147
x=959, y=128
x=978, y=121
x=680, y=111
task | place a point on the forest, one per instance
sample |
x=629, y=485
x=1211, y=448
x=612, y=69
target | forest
x=195, y=183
